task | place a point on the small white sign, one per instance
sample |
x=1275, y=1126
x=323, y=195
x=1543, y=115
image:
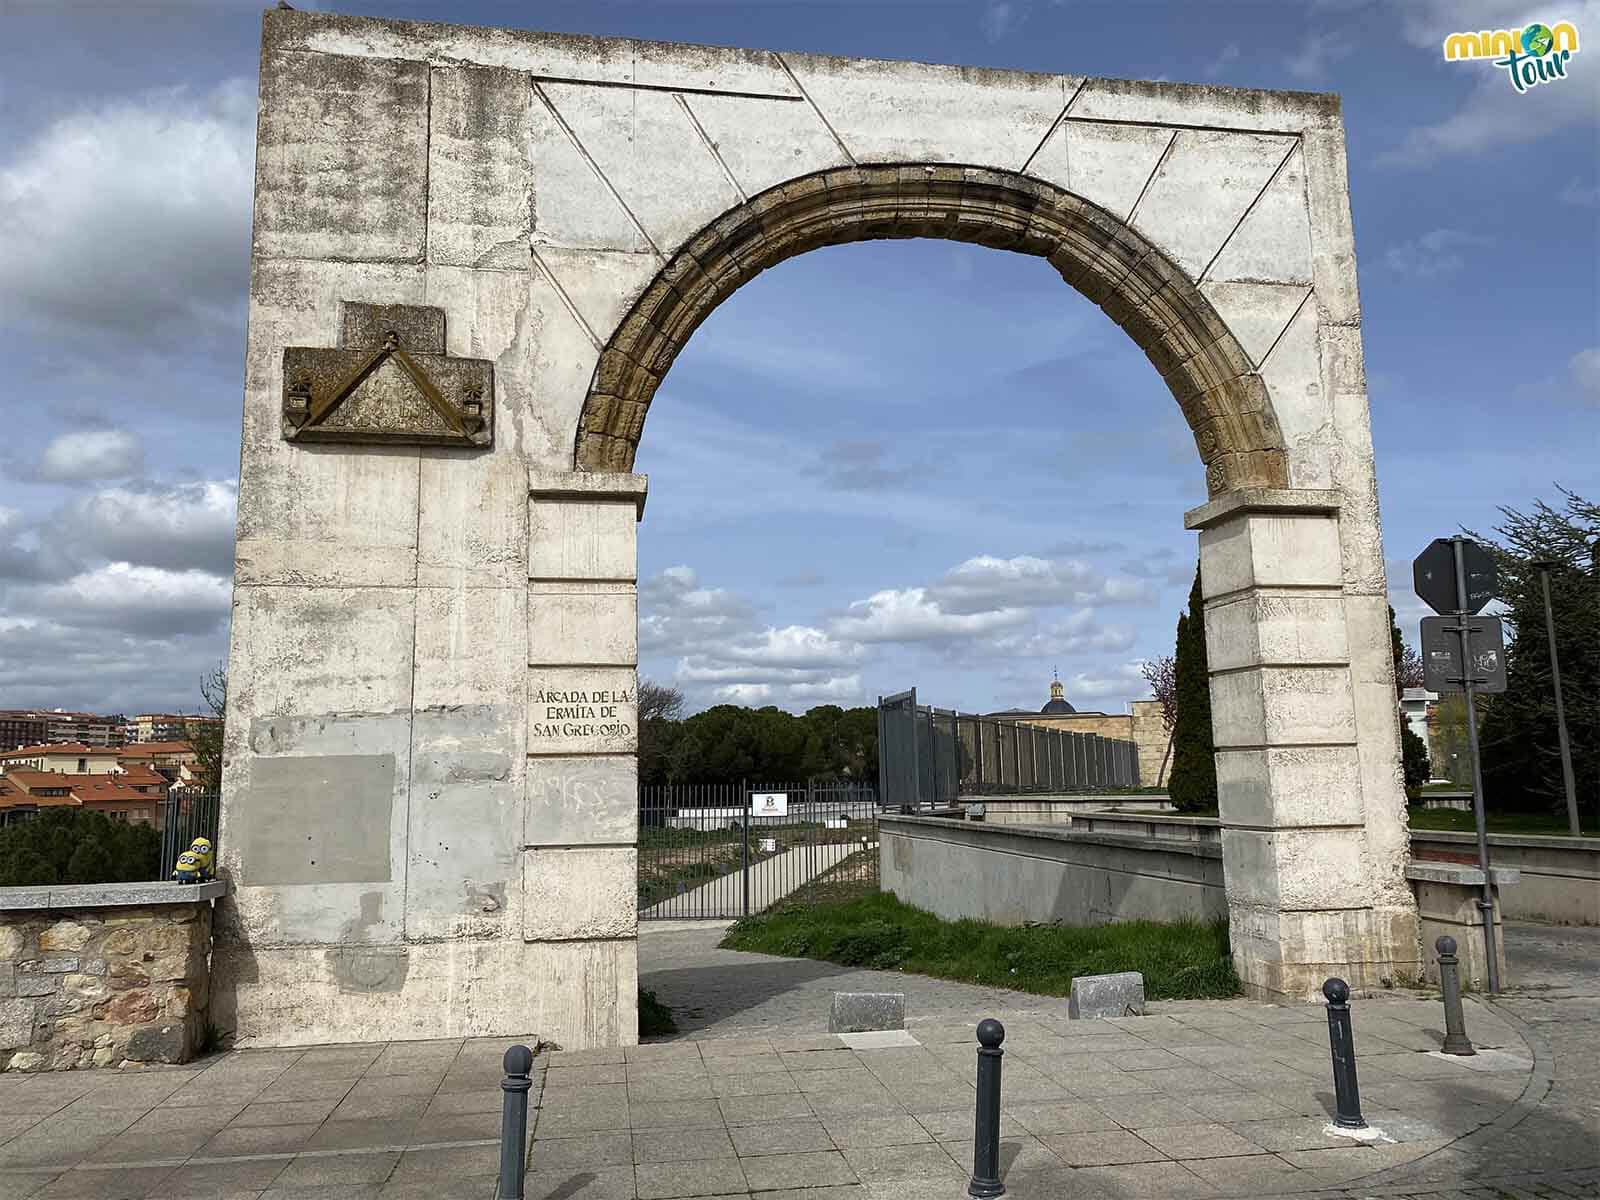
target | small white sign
x=769, y=804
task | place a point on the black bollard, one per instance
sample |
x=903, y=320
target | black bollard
x=1456, y=1040
x=1342, y=1042
x=986, y=1129
x=514, y=1121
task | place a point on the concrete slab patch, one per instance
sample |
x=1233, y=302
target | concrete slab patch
x=878, y=1039
x=859, y=1012
x=1486, y=1060
x=1118, y=995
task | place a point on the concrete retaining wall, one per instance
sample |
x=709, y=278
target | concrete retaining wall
x=1559, y=881
x=1560, y=876
x=1053, y=810
x=104, y=974
x=1014, y=874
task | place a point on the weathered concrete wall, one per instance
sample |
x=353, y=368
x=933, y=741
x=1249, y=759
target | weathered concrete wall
x=573, y=207
x=103, y=974
x=1559, y=877
x=1010, y=874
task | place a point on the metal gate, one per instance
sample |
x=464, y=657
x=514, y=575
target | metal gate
x=735, y=849
x=932, y=757
x=187, y=815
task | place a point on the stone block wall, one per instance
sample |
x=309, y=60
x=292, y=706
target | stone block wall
x=102, y=986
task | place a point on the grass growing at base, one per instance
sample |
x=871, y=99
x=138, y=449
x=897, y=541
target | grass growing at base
x=1186, y=960
x=1460, y=820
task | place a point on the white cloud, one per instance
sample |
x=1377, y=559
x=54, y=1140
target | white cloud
x=1003, y=17
x=1317, y=53
x=1585, y=367
x=132, y=218
x=1124, y=681
x=677, y=615
x=1225, y=58
x=140, y=600
x=1580, y=195
x=1436, y=253
x=91, y=454
x=912, y=615
x=723, y=654
x=986, y=582
x=179, y=526
x=744, y=693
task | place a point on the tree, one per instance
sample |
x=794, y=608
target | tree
x=1193, y=783
x=1521, y=757
x=1407, y=661
x=1413, y=750
x=207, y=740
x=74, y=845
x=660, y=708
x=91, y=862
x=1162, y=676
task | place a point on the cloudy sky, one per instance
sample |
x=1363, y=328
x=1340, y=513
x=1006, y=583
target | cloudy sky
x=877, y=466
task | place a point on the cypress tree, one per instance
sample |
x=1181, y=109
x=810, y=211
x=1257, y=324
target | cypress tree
x=1192, y=785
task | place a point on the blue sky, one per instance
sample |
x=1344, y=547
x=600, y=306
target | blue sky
x=878, y=465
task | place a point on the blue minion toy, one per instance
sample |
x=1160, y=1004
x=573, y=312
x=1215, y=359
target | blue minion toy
x=188, y=868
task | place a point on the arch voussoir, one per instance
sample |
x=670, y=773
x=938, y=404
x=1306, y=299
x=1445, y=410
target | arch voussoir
x=1143, y=291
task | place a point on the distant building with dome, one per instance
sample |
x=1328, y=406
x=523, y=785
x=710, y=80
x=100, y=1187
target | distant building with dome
x=1142, y=725
x=1058, y=700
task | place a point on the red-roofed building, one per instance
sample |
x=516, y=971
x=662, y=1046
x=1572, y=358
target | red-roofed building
x=177, y=761
x=67, y=757
x=137, y=794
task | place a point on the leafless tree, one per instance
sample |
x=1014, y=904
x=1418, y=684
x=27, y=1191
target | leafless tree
x=659, y=702
x=1162, y=676
x=208, y=738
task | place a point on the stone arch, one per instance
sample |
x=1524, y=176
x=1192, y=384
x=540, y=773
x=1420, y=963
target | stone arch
x=1213, y=380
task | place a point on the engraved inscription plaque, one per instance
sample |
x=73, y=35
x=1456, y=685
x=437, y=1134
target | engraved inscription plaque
x=582, y=712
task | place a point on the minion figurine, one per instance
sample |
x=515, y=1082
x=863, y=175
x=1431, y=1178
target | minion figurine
x=201, y=849
x=188, y=868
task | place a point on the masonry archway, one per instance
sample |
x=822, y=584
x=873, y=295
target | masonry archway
x=476, y=254
x=1213, y=380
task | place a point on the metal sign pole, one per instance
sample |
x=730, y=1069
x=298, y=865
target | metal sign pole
x=1561, y=712
x=1468, y=680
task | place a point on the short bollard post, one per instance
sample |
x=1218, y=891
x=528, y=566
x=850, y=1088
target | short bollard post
x=1347, y=1094
x=986, y=1129
x=1456, y=1040
x=514, y=1121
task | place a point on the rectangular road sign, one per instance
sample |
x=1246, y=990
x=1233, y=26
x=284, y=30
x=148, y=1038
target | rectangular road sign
x=1441, y=654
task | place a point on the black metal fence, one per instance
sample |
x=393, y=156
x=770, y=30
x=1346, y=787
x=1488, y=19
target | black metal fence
x=733, y=849
x=187, y=815
x=929, y=757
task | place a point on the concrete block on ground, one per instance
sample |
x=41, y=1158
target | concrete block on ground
x=860, y=1012
x=1119, y=995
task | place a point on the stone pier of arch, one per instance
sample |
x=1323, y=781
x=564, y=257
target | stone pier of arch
x=476, y=253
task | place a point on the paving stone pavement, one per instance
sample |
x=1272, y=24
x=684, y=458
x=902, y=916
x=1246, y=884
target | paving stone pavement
x=1197, y=1099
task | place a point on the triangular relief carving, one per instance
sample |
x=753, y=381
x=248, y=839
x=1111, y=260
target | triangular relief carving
x=388, y=382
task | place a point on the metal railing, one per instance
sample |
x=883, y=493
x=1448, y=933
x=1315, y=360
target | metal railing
x=931, y=756
x=186, y=815
x=734, y=849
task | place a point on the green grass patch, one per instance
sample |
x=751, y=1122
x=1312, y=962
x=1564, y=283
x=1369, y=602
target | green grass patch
x=655, y=1018
x=1187, y=960
x=1458, y=820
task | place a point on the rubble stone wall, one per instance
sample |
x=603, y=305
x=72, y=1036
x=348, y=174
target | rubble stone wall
x=104, y=985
